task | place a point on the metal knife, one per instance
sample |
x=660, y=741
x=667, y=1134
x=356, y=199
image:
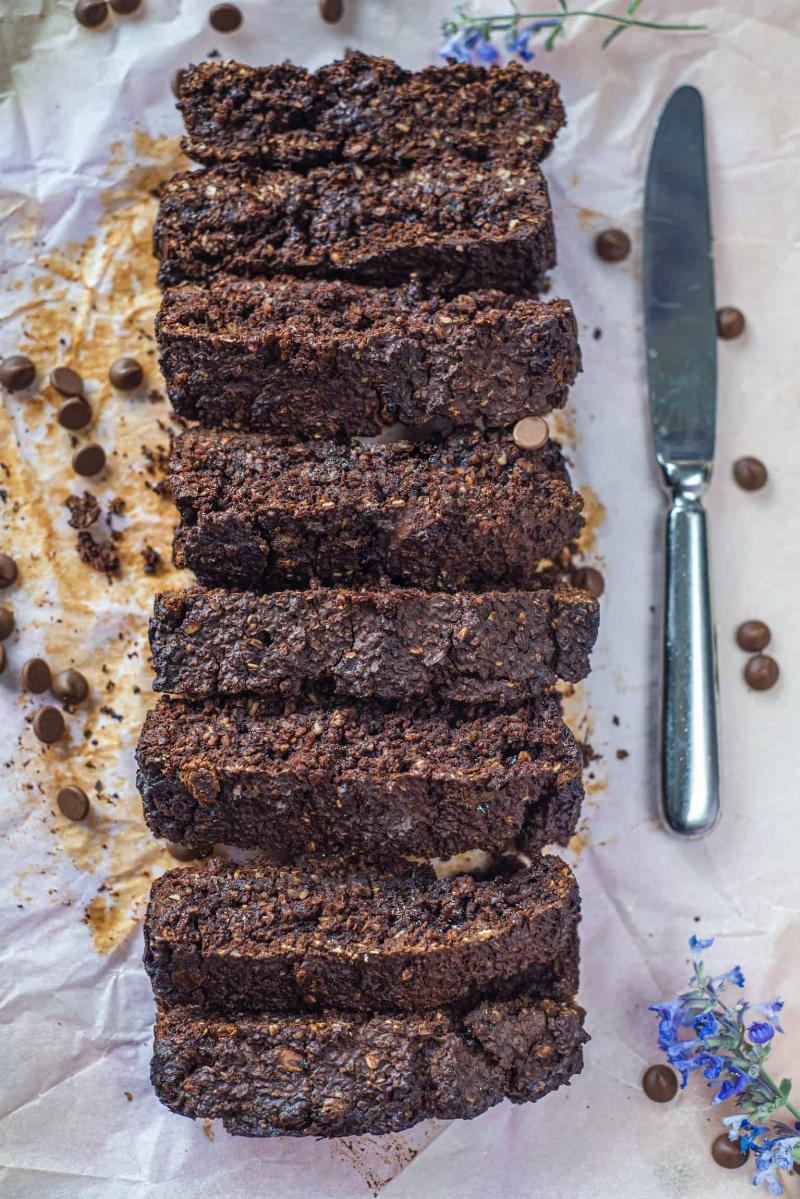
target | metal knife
x=681, y=339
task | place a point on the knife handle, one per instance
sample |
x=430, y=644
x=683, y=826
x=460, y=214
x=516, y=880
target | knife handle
x=689, y=767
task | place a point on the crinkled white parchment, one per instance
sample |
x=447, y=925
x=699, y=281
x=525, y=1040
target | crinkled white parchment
x=77, y=1025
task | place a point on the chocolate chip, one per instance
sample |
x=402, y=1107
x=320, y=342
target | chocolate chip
x=48, y=725
x=761, y=672
x=225, y=18
x=126, y=374
x=726, y=1153
x=590, y=580
x=660, y=1083
x=8, y=571
x=35, y=675
x=185, y=853
x=89, y=460
x=17, y=372
x=730, y=323
x=73, y=802
x=125, y=8
x=91, y=13
x=331, y=10
x=531, y=433
x=612, y=245
x=177, y=81
x=75, y=414
x=753, y=636
x=70, y=687
x=750, y=473
x=6, y=623
x=2, y=658
x=67, y=381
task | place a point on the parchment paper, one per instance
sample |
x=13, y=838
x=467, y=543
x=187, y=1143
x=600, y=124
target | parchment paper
x=88, y=127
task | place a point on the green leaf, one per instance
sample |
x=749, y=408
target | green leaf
x=553, y=36
x=633, y=6
x=785, y=1088
x=613, y=34
x=562, y=4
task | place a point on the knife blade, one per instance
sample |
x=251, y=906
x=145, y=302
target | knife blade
x=680, y=336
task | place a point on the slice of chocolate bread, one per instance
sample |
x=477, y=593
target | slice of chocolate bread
x=358, y=781
x=341, y=1074
x=324, y=357
x=261, y=515
x=366, y=109
x=397, y=644
x=256, y=937
x=461, y=224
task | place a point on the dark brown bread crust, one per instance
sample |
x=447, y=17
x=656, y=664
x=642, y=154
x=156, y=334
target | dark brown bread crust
x=464, y=225
x=398, y=644
x=257, y=937
x=262, y=515
x=311, y=357
x=358, y=781
x=343, y=1075
x=366, y=109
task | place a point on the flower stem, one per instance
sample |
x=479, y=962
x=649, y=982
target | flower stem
x=499, y=22
x=774, y=1088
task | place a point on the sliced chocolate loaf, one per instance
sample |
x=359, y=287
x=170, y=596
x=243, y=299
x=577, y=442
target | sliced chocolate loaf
x=341, y=1074
x=358, y=781
x=311, y=357
x=366, y=109
x=255, y=937
x=258, y=514
x=461, y=224
x=395, y=644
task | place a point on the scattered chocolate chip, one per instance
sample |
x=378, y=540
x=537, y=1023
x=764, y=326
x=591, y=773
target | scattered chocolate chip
x=612, y=245
x=2, y=658
x=70, y=686
x=35, y=675
x=73, y=802
x=185, y=853
x=48, y=725
x=726, y=1153
x=597, y=334
x=761, y=672
x=753, y=636
x=622, y=754
x=8, y=571
x=750, y=473
x=152, y=560
x=6, y=623
x=730, y=323
x=89, y=460
x=67, y=381
x=84, y=510
x=590, y=580
x=225, y=18
x=126, y=374
x=331, y=10
x=125, y=8
x=75, y=414
x=531, y=433
x=17, y=372
x=177, y=80
x=91, y=13
x=660, y=1083
x=100, y=555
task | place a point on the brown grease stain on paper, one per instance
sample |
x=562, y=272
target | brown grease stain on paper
x=85, y=306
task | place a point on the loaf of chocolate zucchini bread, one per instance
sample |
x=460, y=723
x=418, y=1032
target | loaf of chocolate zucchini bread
x=324, y=357
x=256, y=937
x=462, y=224
x=396, y=644
x=339, y=1073
x=259, y=514
x=365, y=109
x=362, y=781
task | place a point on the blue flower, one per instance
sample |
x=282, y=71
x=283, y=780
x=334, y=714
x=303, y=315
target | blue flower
x=731, y=1086
x=672, y=1016
x=485, y=52
x=712, y=1062
x=774, y=1155
x=760, y=1032
x=734, y=976
x=517, y=43
x=698, y=944
x=454, y=49
x=770, y=1010
x=706, y=1026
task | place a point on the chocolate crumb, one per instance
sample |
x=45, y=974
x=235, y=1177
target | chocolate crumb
x=100, y=555
x=622, y=754
x=152, y=560
x=84, y=510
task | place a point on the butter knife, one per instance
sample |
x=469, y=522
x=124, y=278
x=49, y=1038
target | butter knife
x=680, y=333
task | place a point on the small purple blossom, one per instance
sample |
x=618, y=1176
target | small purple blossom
x=485, y=52
x=760, y=1032
x=706, y=1026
